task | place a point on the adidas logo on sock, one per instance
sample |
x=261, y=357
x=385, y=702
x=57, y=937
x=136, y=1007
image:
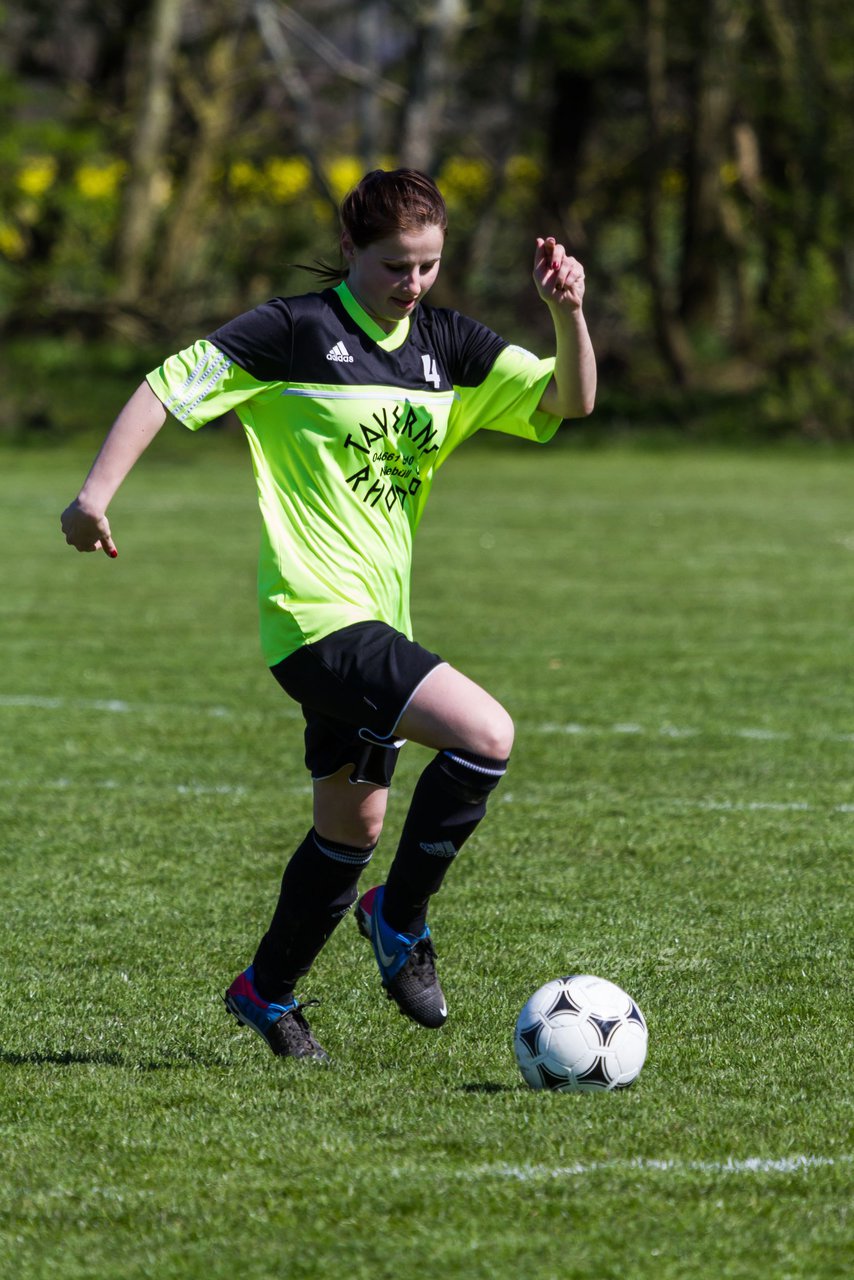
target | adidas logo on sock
x=340, y=353
x=444, y=849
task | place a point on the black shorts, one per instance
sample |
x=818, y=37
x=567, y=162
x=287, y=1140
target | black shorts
x=353, y=687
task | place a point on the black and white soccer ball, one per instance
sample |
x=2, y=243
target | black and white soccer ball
x=580, y=1034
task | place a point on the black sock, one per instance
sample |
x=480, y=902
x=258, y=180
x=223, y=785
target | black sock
x=318, y=889
x=448, y=803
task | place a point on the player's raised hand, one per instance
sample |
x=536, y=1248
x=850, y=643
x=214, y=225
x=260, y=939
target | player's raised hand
x=87, y=531
x=558, y=276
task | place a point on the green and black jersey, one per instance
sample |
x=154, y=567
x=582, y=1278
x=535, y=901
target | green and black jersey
x=347, y=425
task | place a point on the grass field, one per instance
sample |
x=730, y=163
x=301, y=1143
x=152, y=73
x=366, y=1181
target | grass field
x=672, y=634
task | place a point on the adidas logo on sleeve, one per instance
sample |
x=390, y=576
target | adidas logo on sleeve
x=340, y=354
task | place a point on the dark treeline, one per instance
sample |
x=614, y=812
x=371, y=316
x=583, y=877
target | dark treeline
x=163, y=163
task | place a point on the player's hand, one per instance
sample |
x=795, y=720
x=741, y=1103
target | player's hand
x=87, y=530
x=558, y=276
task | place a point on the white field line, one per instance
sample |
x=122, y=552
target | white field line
x=628, y=728
x=112, y=784
x=176, y=788
x=620, y=728
x=227, y=789
x=537, y=794
x=304, y=788
x=118, y=706
x=684, y=1168
x=758, y=806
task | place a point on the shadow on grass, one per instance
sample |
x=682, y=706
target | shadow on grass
x=488, y=1086
x=70, y=1058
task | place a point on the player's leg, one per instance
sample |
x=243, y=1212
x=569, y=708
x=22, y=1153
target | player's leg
x=319, y=883
x=350, y=781
x=319, y=886
x=349, y=813
x=473, y=735
x=450, y=710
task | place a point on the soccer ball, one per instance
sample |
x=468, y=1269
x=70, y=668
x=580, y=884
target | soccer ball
x=580, y=1034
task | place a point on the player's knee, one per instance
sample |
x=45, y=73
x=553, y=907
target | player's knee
x=358, y=832
x=370, y=831
x=357, y=826
x=349, y=814
x=494, y=735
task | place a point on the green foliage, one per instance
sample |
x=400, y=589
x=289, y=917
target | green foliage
x=777, y=309
x=55, y=388
x=593, y=37
x=811, y=347
x=60, y=194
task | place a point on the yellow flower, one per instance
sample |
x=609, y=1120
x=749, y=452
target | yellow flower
x=99, y=181
x=242, y=176
x=464, y=179
x=12, y=243
x=344, y=173
x=286, y=180
x=729, y=173
x=522, y=171
x=38, y=175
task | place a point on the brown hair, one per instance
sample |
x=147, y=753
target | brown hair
x=384, y=202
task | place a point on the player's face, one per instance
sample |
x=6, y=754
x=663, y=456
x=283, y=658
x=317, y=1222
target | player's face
x=391, y=276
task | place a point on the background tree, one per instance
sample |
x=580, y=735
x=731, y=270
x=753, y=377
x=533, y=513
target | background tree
x=163, y=162
x=148, y=157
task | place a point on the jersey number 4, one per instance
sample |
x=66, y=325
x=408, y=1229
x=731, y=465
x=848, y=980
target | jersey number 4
x=431, y=371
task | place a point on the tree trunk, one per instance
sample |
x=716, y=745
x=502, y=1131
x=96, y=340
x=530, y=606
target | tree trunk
x=478, y=277
x=141, y=203
x=670, y=334
x=438, y=25
x=294, y=84
x=213, y=105
x=368, y=41
x=705, y=249
x=568, y=122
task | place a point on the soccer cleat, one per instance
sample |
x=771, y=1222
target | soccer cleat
x=283, y=1026
x=407, y=964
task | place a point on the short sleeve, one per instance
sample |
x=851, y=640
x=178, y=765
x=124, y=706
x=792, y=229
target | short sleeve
x=201, y=383
x=507, y=400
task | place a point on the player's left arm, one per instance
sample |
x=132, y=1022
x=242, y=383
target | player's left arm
x=571, y=392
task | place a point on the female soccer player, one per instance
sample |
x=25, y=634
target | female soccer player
x=351, y=398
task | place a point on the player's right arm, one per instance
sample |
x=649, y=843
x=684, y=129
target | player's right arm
x=84, y=521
